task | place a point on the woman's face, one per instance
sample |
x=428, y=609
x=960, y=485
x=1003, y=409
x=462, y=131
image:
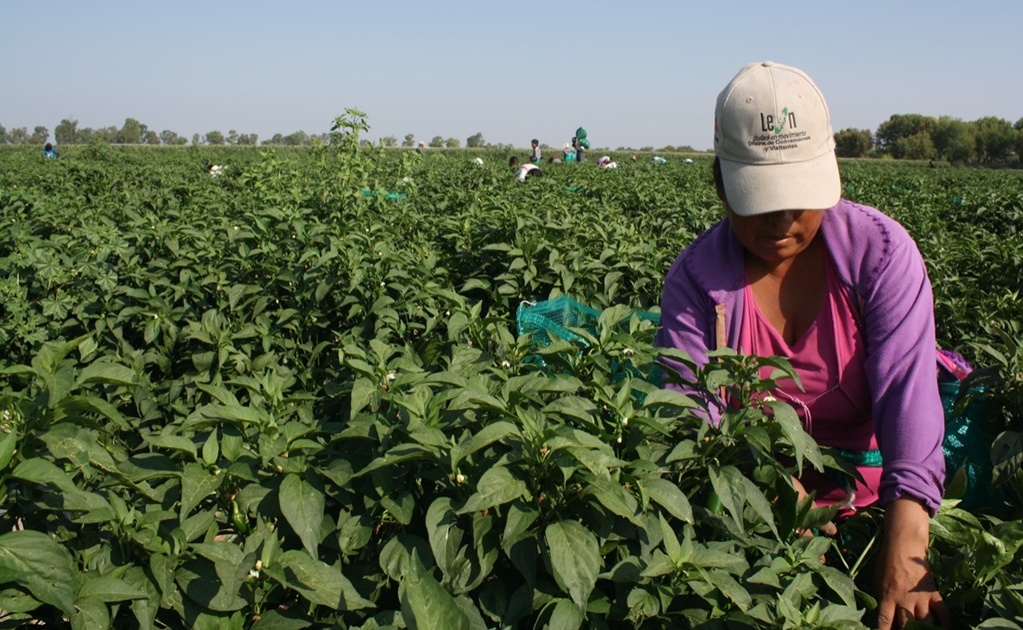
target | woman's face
x=777, y=236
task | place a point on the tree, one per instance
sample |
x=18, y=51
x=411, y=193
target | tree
x=214, y=137
x=248, y=139
x=475, y=140
x=995, y=139
x=150, y=137
x=232, y=137
x=3, y=134
x=954, y=140
x=853, y=143
x=131, y=132
x=66, y=132
x=18, y=135
x=40, y=135
x=389, y=141
x=296, y=139
x=916, y=147
x=195, y=139
x=169, y=137
x=409, y=141
x=901, y=126
x=436, y=142
x=452, y=143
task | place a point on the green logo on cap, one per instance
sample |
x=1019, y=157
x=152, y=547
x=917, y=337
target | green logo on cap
x=767, y=122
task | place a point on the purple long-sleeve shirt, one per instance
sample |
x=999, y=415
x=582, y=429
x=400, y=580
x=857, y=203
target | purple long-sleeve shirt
x=880, y=266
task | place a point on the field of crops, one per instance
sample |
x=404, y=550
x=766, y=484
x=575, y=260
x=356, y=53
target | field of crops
x=293, y=395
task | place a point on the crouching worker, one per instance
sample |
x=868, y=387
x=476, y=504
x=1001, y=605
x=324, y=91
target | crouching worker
x=838, y=289
x=522, y=171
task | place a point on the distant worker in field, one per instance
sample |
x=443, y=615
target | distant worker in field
x=580, y=143
x=535, y=157
x=421, y=148
x=568, y=153
x=50, y=152
x=605, y=161
x=211, y=168
x=522, y=171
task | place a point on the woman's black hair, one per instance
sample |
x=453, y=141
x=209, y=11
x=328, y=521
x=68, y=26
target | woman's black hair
x=719, y=179
x=513, y=160
x=48, y=146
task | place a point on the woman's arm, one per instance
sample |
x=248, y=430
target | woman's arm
x=905, y=583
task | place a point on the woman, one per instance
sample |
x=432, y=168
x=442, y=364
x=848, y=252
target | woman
x=842, y=292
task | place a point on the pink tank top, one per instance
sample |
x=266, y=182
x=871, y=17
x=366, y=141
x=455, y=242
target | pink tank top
x=835, y=406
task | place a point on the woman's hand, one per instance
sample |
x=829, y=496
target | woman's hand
x=828, y=529
x=904, y=580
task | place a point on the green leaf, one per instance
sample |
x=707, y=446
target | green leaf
x=107, y=589
x=196, y=484
x=841, y=583
x=613, y=496
x=302, y=506
x=566, y=615
x=364, y=392
x=320, y=583
x=41, y=565
x=670, y=497
x=425, y=604
x=731, y=588
x=42, y=471
x=485, y=437
x=575, y=559
x=90, y=612
x=173, y=442
x=668, y=398
x=79, y=406
x=8, y=444
x=497, y=486
x=108, y=373
x=213, y=584
x=802, y=444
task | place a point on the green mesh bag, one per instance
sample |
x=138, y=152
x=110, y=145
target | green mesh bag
x=557, y=316
x=967, y=443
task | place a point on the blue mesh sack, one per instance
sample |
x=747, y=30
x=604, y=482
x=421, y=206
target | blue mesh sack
x=557, y=316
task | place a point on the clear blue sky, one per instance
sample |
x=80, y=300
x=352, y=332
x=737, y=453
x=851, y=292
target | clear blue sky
x=633, y=73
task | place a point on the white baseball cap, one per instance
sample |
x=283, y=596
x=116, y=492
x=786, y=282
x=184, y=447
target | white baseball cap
x=773, y=137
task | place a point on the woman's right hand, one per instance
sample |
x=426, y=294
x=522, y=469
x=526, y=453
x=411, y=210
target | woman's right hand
x=828, y=529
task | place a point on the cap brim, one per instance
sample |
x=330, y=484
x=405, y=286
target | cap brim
x=753, y=189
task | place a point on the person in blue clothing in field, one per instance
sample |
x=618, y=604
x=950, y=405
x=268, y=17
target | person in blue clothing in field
x=50, y=152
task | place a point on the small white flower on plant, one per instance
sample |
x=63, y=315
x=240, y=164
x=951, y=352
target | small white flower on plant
x=391, y=376
x=628, y=352
x=459, y=478
x=769, y=398
x=505, y=364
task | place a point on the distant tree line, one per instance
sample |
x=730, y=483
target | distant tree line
x=135, y=132
x=987, y=141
